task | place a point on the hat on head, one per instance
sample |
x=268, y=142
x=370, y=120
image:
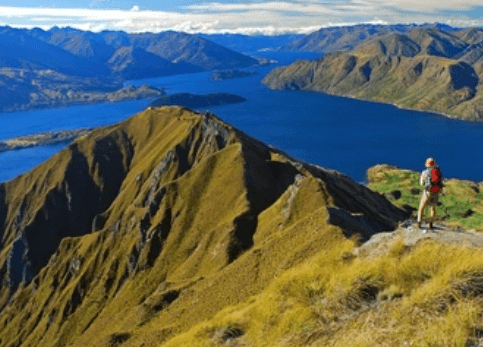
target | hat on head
x=430, y=162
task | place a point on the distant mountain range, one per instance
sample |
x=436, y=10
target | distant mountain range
x=76, y=52
x=343, y=38
x=250, y=43
x=42, y=68
x=424, y=68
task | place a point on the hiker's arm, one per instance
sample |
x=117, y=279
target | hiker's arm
x=421, y=179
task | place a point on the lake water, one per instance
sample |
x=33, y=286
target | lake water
x=334, y=132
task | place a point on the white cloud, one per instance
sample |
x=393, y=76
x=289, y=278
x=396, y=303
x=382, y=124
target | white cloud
x=432, y=5
x=279, y=6
x=267, y=17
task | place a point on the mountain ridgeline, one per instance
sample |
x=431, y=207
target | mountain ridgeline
x=83, y=53
x=137, y=232
x=62, y=67
x=343, y=38
x=424, y=68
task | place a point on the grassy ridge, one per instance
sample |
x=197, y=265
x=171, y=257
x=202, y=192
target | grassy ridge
x=210, y=238
x=425, y=295
x=197, y=217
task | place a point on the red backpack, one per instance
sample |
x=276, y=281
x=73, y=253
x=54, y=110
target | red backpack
x=435, y=180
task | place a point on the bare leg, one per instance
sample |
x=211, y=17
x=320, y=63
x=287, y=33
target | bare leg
x=422, y=206
x=433, y=215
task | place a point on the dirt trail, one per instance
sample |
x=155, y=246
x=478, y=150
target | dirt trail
x=408, y=231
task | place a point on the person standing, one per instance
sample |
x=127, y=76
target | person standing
x=431, y=179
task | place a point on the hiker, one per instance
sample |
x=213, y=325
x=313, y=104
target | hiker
x=432, y=181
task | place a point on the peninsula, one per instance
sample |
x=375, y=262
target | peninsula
x=24, y=89
x=426, y=69
x=42, y=139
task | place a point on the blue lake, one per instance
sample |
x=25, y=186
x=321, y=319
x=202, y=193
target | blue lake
x=334, y=132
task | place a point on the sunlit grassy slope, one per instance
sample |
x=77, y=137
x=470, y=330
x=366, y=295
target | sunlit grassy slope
x=425, y=295
x=138, y=232
x=175, y=229
x=429, y=295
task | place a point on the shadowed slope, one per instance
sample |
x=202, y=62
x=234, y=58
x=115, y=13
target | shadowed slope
x=181, y=216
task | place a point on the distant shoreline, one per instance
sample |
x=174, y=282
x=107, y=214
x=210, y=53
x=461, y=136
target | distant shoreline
x=390, y=103
x=91, y=97
x=42, y=139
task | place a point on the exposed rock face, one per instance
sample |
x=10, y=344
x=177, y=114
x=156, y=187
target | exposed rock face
x=162, y=220
x=135, y=63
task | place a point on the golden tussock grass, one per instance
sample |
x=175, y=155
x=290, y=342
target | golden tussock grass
x=426, y=296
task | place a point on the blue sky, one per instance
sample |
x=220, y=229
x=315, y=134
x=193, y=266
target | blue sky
x=242, y=16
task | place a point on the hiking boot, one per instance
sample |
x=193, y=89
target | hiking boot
x=430, y=225
x=418, y=225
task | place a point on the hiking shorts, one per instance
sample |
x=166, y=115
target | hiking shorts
x=432, y=198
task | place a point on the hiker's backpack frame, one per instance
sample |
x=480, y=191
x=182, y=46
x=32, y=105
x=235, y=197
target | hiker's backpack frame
x=434, y=180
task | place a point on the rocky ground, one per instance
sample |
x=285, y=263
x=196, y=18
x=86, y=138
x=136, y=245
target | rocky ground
x=410, y=234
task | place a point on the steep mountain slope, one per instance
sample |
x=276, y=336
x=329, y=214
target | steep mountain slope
x=187, y=51
x=80, y=43
x=437, y=42
x=338, y=38
x=250, y=43
x=185, y=48
x=138, y=231
x=20, y=50
x=72, y=51
x=135, y=63
x=471, y=35
x=345, y=38
x=417, y=70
